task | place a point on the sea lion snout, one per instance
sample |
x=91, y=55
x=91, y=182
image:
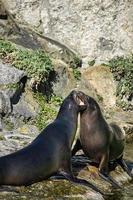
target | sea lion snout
x=82, y=100
x=79, y=98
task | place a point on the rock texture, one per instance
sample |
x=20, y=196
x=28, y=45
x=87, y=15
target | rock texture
x=103, y=82
x=97, y=30
x=9, y=74
x=65, y=81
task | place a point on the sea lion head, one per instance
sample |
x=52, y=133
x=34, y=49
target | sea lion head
x=90, y=105
x=92, y=108
x=78, y=99
x=81, y=100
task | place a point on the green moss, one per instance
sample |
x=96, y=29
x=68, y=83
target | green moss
x=56, y=100
x=122, y=69
x=76, y=74
x=8, y=124
x=6, y=48
x=48, y=110
x=91, y=62
x=12, y=86
x=2, y=137
x=100, y=98
x=75, y=64
x=36, y=63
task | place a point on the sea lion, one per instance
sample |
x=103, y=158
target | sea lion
x=49, y=153
x=103, y=143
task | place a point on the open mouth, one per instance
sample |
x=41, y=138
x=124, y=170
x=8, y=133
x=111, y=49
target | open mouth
x=81, y=103
x=81, y=97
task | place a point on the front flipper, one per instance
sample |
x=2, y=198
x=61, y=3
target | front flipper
x=66, y=171
x=104, y=171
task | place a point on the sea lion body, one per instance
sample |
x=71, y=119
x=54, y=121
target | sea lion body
x=37, y=161
x=47, y=154
x=98, y=137
x=103, y=143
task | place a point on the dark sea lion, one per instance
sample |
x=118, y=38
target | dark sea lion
x=49, y=153
x=103, y=143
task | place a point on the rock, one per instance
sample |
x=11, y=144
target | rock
x=21, y=109
x=12, y=84
x=7, y=147
x=65, y=81
x=17, y=138
x=86, y=87
x=96, y=30
x=9, y=74
x=124, y=120
x=5, y=103
x=26, y=107
x=3, y=14
x=101, y=79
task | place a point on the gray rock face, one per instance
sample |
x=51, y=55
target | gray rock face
x=23, y=109
x=5, y=104
x=97, y=30
x=9, y=74
x=65, y=80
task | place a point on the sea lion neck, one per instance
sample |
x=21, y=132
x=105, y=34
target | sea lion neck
x=68, y=111
x=95, y=114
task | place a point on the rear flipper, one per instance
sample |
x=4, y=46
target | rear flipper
x=110, y=180
x=124, y=166
x=104, y=171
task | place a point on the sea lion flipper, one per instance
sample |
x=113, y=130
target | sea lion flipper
x=110, y=180
x=66, y=171
x=103, y=166
x=124, y=166
x=79, y=181
x=104, y=171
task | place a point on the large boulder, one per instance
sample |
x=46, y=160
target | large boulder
x=97, y=30
x=65, y=81
x=101, y=79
